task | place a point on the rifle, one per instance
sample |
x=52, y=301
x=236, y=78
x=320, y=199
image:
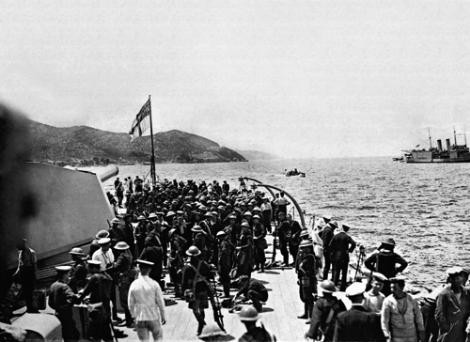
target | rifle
x=216, y=307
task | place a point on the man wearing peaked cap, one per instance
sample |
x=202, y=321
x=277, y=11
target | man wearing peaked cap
x=122, y=270
x=340, y=246
x=61, y=299
x=357, y=324
x=104, y=255
x=146, y=304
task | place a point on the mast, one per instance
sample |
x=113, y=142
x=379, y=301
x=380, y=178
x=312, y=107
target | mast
x=152, y=158
x=429, y=137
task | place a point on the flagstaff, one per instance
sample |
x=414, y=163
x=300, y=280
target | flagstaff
x=138, y=128
x=152, y=158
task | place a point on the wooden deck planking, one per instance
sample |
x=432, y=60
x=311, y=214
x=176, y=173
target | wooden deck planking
x=283, y=300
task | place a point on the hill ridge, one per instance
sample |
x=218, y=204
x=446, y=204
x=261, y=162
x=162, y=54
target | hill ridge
x=85, y=145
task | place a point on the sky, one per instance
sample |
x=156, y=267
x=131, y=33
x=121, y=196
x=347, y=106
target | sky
x=294, y=78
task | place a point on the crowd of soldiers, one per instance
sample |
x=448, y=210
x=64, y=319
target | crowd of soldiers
x=190, y=231
x=196, y=231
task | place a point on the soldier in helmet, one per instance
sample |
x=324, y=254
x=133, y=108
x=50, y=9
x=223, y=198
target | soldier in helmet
x=78, y=273
x=226, y=258
x=249, y=316
x=200, y=239
x=195, y=284
x=140, y=233
x=245, y=251
x=325, y=310
x=176, y=259
x=306, y=272
x=61, y=299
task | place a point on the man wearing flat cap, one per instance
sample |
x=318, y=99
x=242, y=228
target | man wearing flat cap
x=61, y=299
x=453, y=308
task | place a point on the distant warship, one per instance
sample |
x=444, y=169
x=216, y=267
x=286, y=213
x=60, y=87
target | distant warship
x=451, y=154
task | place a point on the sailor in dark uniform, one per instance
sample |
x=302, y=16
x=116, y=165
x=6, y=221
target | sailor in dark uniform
x=340, y=246
x=99, y=291
x=357, y=324
x=327, y=235
x=61, y=299
x=195, y=284
x=384, y=260
x=306, y=272
x=124, y=277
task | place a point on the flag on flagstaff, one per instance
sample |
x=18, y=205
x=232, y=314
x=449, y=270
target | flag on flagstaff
x=140, y=125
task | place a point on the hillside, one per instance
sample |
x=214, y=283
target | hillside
x=257, y=155
x=83, y=145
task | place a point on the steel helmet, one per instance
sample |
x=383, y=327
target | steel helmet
x=77, y=251
x=193, y=251
x=248, y=314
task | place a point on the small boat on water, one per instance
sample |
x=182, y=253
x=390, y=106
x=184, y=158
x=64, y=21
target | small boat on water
x=294, y=172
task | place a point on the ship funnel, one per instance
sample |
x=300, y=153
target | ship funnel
x=448, y=144
x=439, y=145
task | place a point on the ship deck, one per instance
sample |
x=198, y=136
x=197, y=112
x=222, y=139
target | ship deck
x=279, y=314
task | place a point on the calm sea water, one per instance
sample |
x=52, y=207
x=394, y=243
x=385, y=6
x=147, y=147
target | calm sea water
x=425, y=208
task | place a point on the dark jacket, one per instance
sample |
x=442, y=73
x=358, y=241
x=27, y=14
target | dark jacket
x=254, y=285
x=385, y=262
x=155, y=255
x=340, y=246
x=358, y=325
x=321, y=322
x=327, y=235
x=451, y=315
